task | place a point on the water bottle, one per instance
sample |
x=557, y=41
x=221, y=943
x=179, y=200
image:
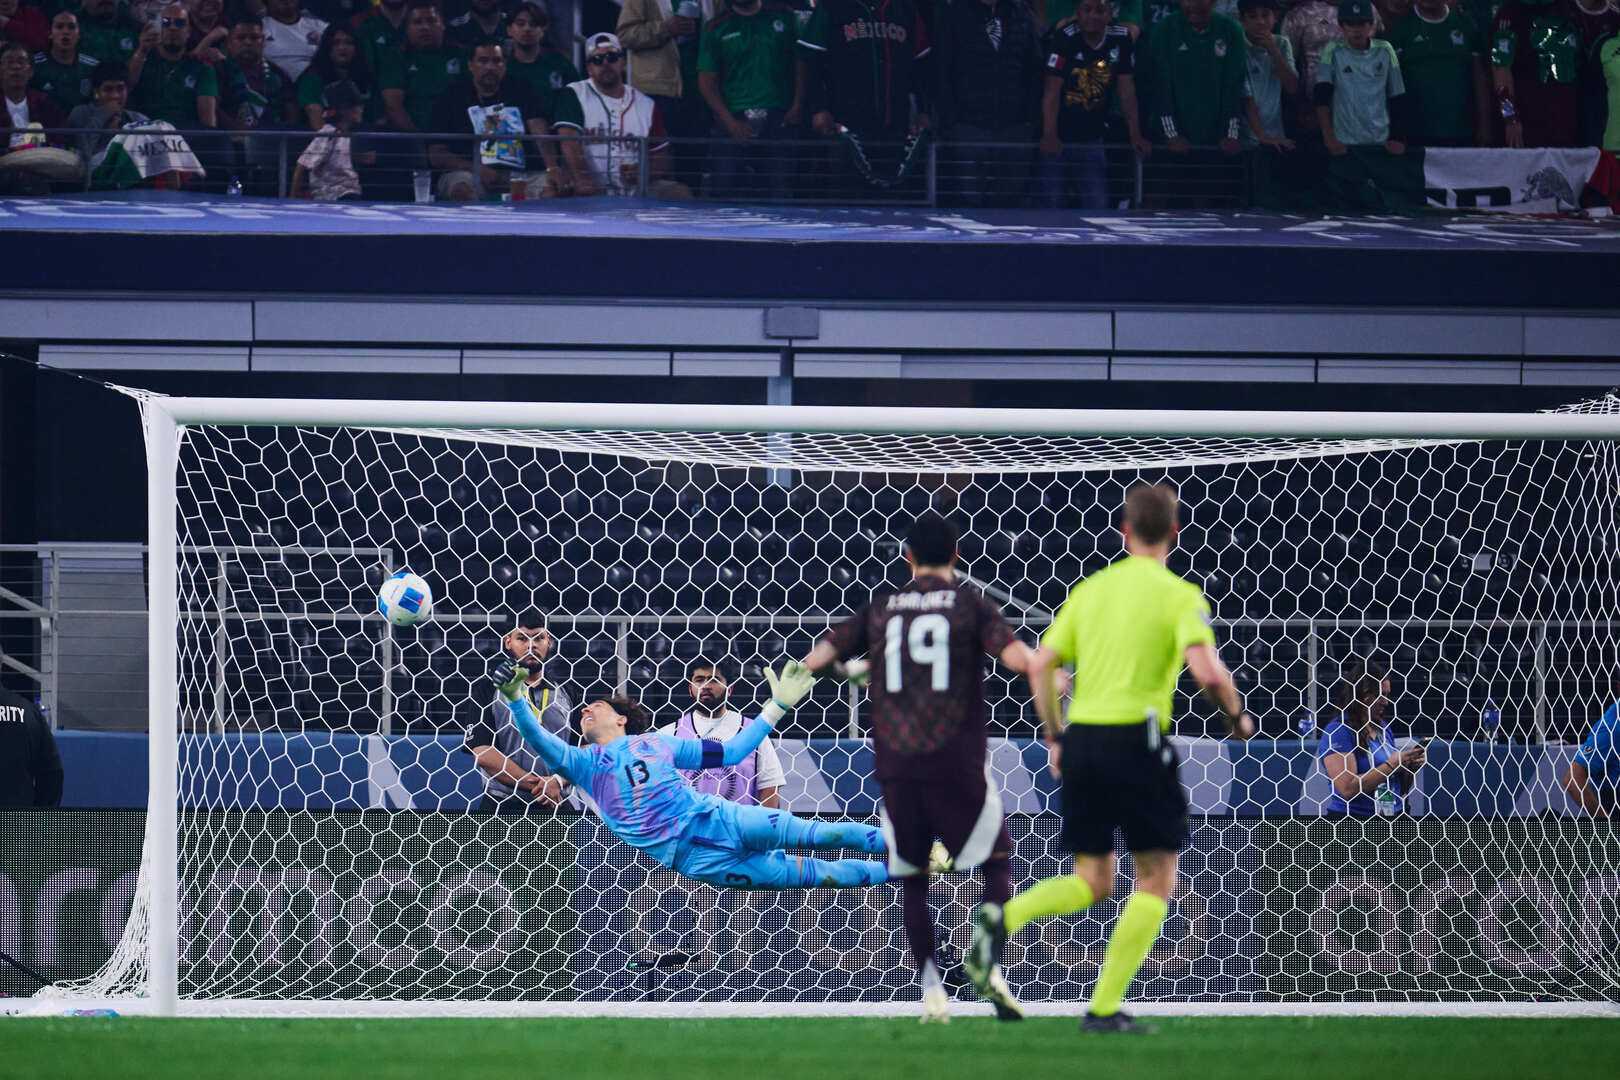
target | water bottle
x=689, y=9
x=234, y=188
x=1386, y=801
x=1490, y=721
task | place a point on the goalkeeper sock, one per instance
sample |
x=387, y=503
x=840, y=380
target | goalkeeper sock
x=1134, y=934
x=918, y=920
x=840, y=873
x=790, y=831
x=1063, y=895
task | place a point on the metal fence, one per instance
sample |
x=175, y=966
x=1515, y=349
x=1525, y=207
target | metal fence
x=840, y=170
x=73, y=634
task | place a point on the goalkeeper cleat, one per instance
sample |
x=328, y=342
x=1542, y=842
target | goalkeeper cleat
x=939, y=859
x=936, y=1006
x=1120, y=1023
x=998, y=994
x=984, y=953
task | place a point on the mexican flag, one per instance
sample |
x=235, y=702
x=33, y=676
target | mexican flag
x=1520, y=181
x=142, y=150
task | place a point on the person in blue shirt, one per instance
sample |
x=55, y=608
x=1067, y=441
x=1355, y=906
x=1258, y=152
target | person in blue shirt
x=633, y=776
x=1360, y=756
x=1593, y=776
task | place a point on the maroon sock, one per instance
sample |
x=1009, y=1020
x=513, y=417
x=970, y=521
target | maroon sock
x=997, y=871
x=918, y=919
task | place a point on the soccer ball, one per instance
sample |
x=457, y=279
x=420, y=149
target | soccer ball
x=405, y=599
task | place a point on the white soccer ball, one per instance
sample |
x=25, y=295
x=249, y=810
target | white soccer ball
x=405, y=599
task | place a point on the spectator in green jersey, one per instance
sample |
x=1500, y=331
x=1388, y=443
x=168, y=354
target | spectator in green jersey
x=169, y=84
x=1196, y=78
x=1442, y=64
x=338, y=58
x=381, y=32
x=414, y=79
x=106, y=31
x=746, y=73
x=547, y=71
x=62, y=72
x=1608, y=62
x=1535, y=66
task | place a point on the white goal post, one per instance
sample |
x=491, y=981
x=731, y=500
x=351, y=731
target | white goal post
x=1436, y=542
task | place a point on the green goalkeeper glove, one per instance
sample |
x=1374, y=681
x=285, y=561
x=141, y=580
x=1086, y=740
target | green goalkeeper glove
x=789, y=687
x=508, y=678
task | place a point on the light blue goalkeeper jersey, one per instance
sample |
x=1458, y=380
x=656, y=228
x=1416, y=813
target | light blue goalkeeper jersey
x=635, y=781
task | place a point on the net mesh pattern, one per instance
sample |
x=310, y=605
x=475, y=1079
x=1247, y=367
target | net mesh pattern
x=331, y=844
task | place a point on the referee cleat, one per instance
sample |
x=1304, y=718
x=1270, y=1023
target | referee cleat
x=936, y=1006
x=1120, y=1023
x=939, y=859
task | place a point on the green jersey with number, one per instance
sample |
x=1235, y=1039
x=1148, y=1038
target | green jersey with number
x=1126, y=631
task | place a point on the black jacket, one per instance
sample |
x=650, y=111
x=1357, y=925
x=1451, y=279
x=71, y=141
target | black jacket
x=30, y=769
x=978, y=83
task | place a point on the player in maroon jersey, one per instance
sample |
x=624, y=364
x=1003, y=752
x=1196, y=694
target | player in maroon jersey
x=926, y=641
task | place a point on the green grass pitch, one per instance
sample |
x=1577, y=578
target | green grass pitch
x=1214, y=1048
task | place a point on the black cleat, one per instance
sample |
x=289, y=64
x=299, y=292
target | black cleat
x=1120, y=1023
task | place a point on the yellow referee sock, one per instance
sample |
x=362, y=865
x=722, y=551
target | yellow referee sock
x=1055, y=896
x=1134, y=934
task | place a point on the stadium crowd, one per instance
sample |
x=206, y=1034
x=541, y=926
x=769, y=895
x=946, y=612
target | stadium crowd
x=1318, y=101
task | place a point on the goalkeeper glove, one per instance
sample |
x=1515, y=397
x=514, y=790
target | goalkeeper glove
x=508, y=678
x=790, y=685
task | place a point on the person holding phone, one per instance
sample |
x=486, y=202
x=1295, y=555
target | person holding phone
x=1371, y=776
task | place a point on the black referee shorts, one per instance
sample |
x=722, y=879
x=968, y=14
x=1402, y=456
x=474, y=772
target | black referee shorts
x=1125, y=777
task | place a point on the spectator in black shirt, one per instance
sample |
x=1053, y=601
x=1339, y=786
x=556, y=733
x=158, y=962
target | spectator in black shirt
x=1092, y=65
x=486, y=102
x=987, y=65
x=30, y=768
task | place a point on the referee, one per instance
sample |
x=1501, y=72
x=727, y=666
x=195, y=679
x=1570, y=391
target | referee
x=1127, y=631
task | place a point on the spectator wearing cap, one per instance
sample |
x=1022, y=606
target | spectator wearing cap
x=747, y=72
x=486, y=101
x=1090, y=68
x=517, y=781
x=338, y=59
x=62, y=71
x=106, y=111
x=1310, y=26
x=987, y=86
x=591, y=115
x=1442, y=59
x=1360, y=108
x=325, y=170
x=291, y=36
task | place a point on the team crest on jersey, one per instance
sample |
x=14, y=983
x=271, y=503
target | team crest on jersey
x=1220, y=48
x=1054, y=60
x=453, y=67
x=191, y=82
x=1113, y=55
x=1456, y=37
x=779, y=26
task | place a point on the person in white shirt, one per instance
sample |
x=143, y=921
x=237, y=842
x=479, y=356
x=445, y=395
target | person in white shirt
x=602, y=120
x=757, y=780
x=290, y=36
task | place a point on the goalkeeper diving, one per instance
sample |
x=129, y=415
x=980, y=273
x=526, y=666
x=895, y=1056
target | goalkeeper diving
x=633, y=776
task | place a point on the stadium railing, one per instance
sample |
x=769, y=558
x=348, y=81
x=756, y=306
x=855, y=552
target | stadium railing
x=926, y=171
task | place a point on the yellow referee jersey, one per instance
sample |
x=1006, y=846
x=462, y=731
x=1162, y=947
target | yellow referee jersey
x=1125, y=630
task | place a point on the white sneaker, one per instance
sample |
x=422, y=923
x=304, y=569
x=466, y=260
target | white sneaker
x=939, y=860
x=936, y=1006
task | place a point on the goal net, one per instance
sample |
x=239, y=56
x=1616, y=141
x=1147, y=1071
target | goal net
x=321, y=840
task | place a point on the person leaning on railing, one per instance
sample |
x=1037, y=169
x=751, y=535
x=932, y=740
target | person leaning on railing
x=105, y=112
x=747, y=72
x=485, y=102
x=1371, y=776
